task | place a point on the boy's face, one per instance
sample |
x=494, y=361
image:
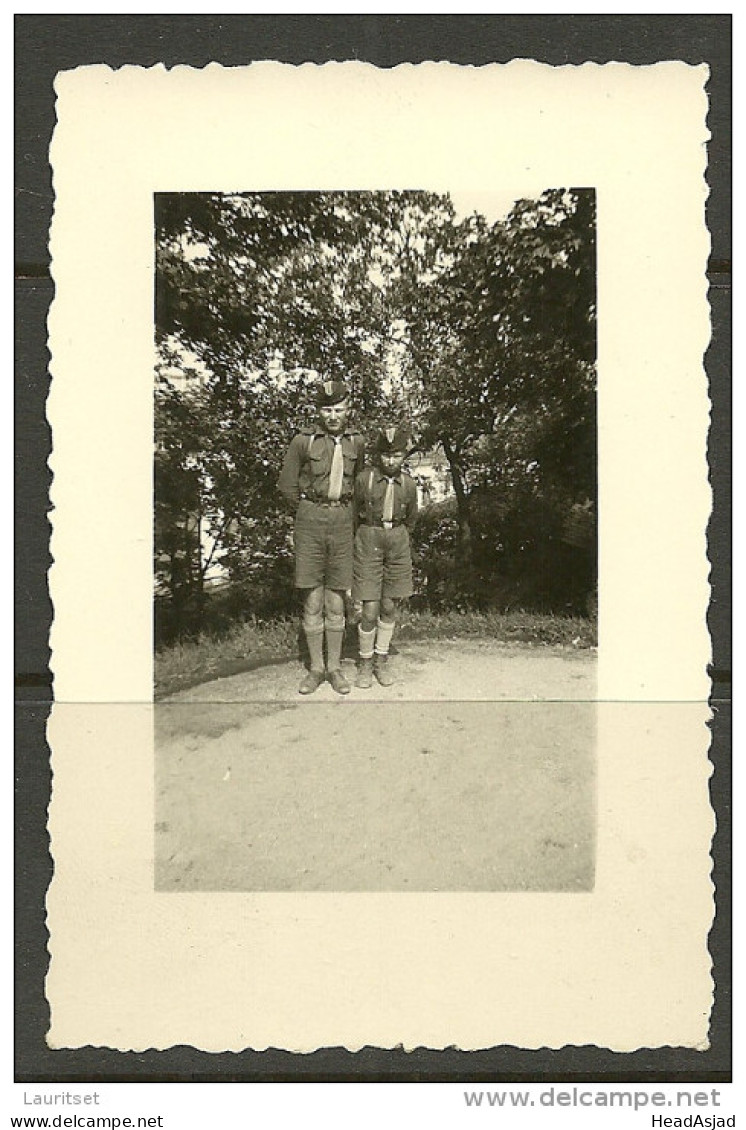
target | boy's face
x=333, y=417
x=391, y=462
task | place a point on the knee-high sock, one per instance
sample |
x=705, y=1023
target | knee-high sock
x=384, y=632
x=313, y=626
x=366, y=642
x=334, y=627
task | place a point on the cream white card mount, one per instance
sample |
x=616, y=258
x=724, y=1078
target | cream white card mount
x=622, y=966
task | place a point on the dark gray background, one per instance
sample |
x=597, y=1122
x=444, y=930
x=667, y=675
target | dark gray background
x=46, y=44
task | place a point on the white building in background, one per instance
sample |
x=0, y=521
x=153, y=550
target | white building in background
x=430, y=471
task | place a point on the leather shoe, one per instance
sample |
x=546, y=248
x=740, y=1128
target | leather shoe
x=311, y=682
x=383, y=671
x=364, y=678
x=338, y=682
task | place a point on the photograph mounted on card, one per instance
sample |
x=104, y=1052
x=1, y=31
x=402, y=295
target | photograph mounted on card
x=379, y=448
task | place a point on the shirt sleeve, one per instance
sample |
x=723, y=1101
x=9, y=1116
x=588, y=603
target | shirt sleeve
x=412, y=505
x=360, y=460
x=358, y=500
x=288, y=483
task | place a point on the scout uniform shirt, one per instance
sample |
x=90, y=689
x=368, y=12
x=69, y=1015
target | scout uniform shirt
x=370, y=497
x=306, y=471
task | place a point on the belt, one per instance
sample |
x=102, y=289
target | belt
x=384, y=525
x=326, y=502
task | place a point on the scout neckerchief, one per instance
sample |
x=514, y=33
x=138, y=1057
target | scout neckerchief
x=387, y=514
x=337, y=471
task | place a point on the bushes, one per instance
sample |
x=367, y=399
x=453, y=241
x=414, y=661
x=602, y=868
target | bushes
x=440, y=581
x=528, y=551
x=268, y=596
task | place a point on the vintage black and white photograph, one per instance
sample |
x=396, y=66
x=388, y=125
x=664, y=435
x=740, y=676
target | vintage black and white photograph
x=375, y=540
x=392, y=427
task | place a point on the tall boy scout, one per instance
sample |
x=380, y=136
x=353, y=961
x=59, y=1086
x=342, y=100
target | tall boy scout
x=386, y=507
x=318, y=476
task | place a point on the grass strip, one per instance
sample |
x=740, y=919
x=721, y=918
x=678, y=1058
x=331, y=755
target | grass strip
x=252, y=643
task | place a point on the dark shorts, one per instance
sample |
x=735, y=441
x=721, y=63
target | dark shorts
x=323, y=546
x=383, y=563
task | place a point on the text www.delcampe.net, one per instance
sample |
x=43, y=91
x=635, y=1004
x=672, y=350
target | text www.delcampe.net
x=580, y=1097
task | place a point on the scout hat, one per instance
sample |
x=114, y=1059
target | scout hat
x=331, y=392
x=392, y=439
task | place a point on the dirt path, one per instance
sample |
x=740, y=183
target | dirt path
x=440, y=671
x=478, y=775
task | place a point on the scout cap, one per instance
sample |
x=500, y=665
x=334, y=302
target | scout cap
x=331, y=392
x=392, y=439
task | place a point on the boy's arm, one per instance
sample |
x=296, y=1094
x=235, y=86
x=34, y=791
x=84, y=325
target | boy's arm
x=356, y=496
x=360, y=460
x=412, y=505
x=288, y=483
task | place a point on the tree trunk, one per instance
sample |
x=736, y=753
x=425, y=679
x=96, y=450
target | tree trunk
x=463, y=518
x=197, y=572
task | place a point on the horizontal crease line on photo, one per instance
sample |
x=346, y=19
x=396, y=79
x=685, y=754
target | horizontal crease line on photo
x=414, y=702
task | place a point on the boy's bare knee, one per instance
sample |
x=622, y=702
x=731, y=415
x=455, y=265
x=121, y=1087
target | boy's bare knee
x=389, y=608
x=334, y=602
x=369, y=616
x=313, y=602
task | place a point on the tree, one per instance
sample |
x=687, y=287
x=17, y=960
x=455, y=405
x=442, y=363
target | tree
x=481, y=337
x=255, y=293
x=501, y=351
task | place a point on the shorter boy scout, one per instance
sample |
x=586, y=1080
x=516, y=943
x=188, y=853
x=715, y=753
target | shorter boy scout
x=318, y=477
x=386, y=508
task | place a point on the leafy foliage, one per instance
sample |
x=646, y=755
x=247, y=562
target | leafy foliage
x=482, y=337
x=502, y=351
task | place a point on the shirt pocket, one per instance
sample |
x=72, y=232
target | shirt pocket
x=349, y=458
x=349, y=452
x=318, y=463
